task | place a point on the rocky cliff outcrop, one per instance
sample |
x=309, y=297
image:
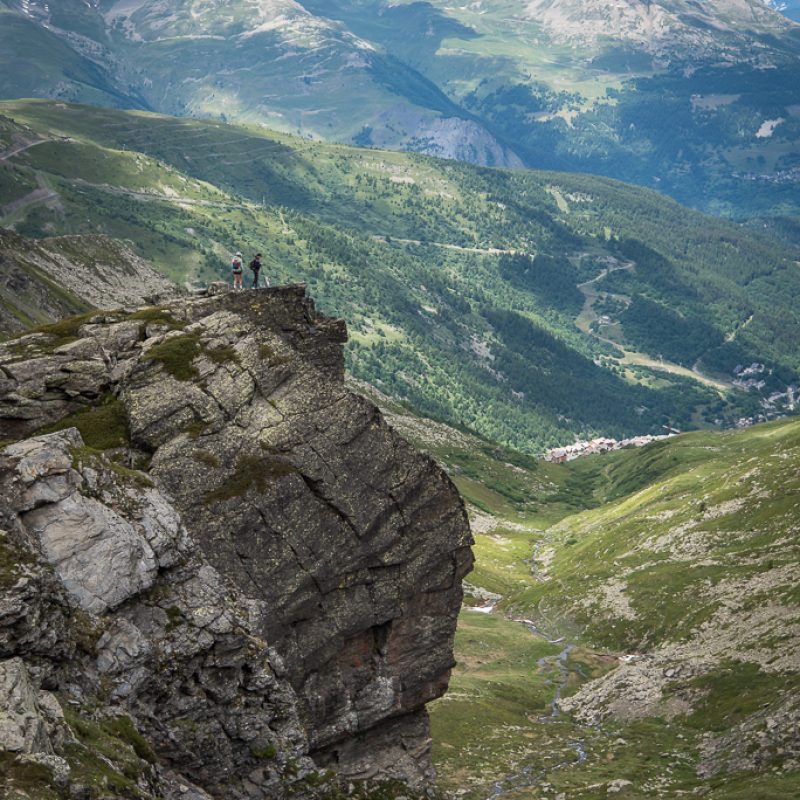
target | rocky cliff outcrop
x=221, y=570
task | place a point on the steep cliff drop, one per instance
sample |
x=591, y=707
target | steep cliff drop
x=216, y=562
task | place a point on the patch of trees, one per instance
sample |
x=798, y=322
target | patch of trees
x=552, y=279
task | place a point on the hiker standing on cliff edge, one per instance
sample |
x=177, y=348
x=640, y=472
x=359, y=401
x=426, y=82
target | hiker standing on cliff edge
x=236, y=268
x=255, y=265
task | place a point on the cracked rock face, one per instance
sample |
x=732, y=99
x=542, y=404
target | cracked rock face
x=136, y=621
x=24, y=711
x=278, y=508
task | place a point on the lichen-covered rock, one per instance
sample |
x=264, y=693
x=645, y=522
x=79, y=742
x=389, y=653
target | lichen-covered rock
x=23, y=715
x=283, y=581
x=155, y=632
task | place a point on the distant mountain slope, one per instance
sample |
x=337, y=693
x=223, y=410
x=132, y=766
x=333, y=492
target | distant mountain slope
x=695, y=99
x=268, y=61
x=54, y=278
x=789, y=8
x=670, y=28
x=39, y=62
x=466, y=289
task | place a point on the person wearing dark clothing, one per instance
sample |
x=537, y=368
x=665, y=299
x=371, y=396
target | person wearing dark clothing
x=255, y=265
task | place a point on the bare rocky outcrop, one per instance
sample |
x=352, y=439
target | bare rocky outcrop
x=769, y=738
x=108, y=602
x=277, y=589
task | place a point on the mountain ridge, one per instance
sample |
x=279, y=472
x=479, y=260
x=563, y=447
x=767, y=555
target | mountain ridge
x=461, y=82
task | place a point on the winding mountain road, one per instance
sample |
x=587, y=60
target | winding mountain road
x=22, y=148
x=631, y=357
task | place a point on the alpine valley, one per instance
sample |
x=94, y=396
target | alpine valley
x=492, y=492
x=529, y=306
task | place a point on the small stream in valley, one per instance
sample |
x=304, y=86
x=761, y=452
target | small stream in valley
x=532, y=774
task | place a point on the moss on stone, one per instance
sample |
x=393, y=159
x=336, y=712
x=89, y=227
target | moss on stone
x=269, y=354
x=87, y=631
x=324, y=785
x=176, y=355
x=25, y=779
x=251, y=471
x=206, y=457
x=174, y=617
x=102, y=426
x=267, y=752
x=11, y=559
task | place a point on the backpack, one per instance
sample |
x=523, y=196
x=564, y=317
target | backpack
x=237, y=265
x=255, y=265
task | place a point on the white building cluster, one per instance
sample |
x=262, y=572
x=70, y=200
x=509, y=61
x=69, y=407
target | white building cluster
x=558, y=455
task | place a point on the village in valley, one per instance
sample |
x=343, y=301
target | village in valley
x=775, y=406
x=558, y=455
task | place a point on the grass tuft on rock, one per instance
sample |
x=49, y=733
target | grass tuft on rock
x=124, y=729
x=82, y=454
x=11, y=559
x=223, y=355
x=66, y=330
x=25, y=779
x=271, y=356
x=206, y=457
x=176, y=355
x=267, y=752
x=157, y=315
x=108, y=755
x=102, y=426
x=194, y=429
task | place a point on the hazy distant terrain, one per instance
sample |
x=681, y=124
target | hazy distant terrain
x=698, y=101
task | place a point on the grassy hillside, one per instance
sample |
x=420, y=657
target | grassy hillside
x=505, y=300
x=647, y=645
x=38, y=63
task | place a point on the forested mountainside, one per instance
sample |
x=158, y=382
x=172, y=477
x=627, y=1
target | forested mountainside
x=632, y=622
x=530, y=306
x=697, y=100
